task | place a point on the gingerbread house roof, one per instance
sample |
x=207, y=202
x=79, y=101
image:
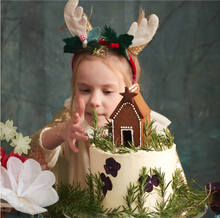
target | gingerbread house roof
x=137, y=100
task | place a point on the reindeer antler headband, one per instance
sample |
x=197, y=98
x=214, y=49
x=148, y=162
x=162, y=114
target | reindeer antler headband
x=86, y=37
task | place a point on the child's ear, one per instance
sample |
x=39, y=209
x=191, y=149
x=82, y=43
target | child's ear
x=135, y=88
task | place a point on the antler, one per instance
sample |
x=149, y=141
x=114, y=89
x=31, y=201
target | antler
x=74, y=18
x=143, y=33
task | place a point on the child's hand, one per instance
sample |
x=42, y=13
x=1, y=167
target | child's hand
x=69, y=131
x=73, y=127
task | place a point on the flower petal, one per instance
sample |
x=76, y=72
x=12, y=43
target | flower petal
x=31, y=169
x=37, y=184
x=21, y=144
x=110, y=161
x=5, y=181
x=104, y=190
x=45, y=179
x=8, y=131
x=112, y=166
x=23, y=204
x=155, y=180
x=149, y=187
x=114, y=172
x=108, y=184
x=23, y=159
x=103, y=177
x=117, y=166
x=43, y=196
x=106, y=167
x=14, y=166
x=9, y=196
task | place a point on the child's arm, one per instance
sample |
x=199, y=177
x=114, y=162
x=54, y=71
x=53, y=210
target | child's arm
x=68, y=131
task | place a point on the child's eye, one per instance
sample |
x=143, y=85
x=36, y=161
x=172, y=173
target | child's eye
x=85, y=90
x=108, y=91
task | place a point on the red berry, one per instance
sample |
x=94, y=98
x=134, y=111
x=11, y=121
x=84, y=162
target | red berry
x=116, y=45
x=112, y=45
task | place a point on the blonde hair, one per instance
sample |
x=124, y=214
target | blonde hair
x=124, y=68
x=113, y=60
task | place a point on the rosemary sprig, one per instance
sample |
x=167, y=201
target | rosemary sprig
x=131, y=197
x=153, y=141
x=77, y=202
x=189, y=199
x=95, y=186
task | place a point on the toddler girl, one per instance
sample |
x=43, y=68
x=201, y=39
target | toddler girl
x=102, y=68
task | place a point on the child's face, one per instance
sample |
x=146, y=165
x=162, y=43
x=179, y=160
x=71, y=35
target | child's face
x=99, y=88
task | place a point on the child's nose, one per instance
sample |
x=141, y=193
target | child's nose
x=95, y=101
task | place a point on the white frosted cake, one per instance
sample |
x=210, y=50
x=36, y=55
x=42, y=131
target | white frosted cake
x=130, y=167
x=146, y=147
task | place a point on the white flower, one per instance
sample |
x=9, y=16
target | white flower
x=21, y=144
x=26, y=187
x=8, y=131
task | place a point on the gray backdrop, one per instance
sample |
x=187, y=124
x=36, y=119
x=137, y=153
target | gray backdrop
x=181, y=70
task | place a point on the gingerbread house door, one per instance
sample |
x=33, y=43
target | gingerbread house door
x=127, y=136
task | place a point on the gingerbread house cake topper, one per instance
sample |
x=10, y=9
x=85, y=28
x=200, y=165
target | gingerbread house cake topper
x=128, y=119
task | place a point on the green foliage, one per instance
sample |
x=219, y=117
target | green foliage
x=77, y=202
x=100, y=136
x=95, y=187
x=189, y=199
x=109, y=34
x=130, y=198
x=185, y=199
x=153, y=141
x=73, y=45
x=124, y=40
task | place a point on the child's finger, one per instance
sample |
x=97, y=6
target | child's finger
x=79, y=136
x=75, y=118
x=73, y=141
x=76, y=128
x=81, y=107
x=72, y=146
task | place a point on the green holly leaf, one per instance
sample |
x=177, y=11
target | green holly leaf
x=93, y=36
x=93, y=47
x=125, y=40
x=73, y=45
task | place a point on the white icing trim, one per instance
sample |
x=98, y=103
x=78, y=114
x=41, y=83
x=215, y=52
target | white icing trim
x=126, y=103
x=113, y=135
x=140, y=133
x=126, y=128
x=133, y=88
